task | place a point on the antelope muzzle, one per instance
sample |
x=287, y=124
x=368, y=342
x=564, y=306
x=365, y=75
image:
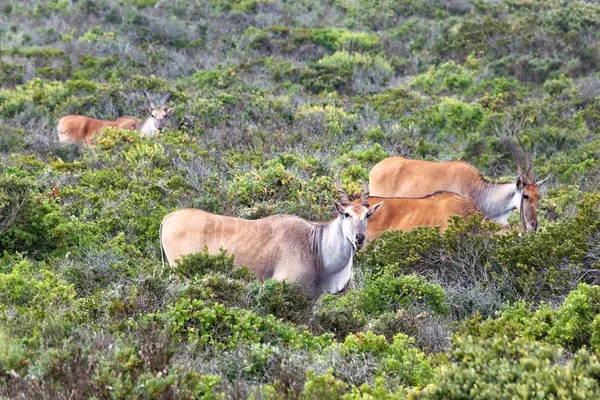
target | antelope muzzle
x=360, y=240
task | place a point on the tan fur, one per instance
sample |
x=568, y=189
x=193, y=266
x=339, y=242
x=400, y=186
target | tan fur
x=405, y=213
x=255, y=243
x=402, y=177
x=283, y=247
x=81, y=129
x=78, y=128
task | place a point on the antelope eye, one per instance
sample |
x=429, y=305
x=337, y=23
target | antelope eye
x=526, y=197
x=346, y=215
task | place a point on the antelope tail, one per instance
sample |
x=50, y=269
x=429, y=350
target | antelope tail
x=162, y=249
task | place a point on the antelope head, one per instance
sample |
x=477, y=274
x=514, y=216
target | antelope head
x=527, y=188
x=354, y=217
x=159, y=113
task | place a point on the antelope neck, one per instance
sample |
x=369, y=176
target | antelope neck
x=336, y=250
x=147, y=126
x=334, y=254
x=497, y=200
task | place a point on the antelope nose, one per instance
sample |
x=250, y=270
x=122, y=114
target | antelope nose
x=360, y=237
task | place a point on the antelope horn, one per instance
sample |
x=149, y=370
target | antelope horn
x=517, y=157
x=344, y=200
x=166, y=98
x=149, y=98
x=528, y=163
x=364, y=199
x=540, y=183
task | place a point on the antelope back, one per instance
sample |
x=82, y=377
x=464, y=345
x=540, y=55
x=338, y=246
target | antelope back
x=79, y=128
x=403, y=177
x=405, y=213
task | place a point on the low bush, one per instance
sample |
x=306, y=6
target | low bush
x=286, y=301
x=11, y=139
x=348, y=72
x=500, y=267
x=385, y=294
x=204, y=324
x=521, y=368
x=30, y=220
x=31, y=296
x=573, y=325
x=448, y=77
x=398, y=361
x=199, y=264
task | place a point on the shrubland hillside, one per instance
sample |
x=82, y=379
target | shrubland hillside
x=272, y=98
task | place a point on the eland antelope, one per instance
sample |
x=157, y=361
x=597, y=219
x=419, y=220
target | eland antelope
x=283, y=247
x=401, y=177
x=79, y=129
x=406, y=213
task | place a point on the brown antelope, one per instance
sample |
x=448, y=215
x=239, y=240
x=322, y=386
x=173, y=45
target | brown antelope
x=406, y=213
x=401, y=177
x=78, y=128
x=283, y=247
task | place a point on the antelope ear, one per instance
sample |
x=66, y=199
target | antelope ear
x=170, y=111
x=520, y=183
x=374, y=208
x=339, y=208
x=540, y=183
x=148, y=110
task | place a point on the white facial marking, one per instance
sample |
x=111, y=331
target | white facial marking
x=354, y=225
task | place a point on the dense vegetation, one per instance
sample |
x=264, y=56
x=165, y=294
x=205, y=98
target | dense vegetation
x=274, y=97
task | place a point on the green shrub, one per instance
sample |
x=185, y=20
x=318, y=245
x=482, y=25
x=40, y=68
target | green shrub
x=199, y=264
x=498, y=93
x=575, y=323
x=13, y=355
x=11, y=74
x=572, y=325
x=111, y=137
x=512, y=266
x=184, y=384
x=343, y=315
x=323, y=387
x=14, y=192
x=346, y=71
x=448, y=77
x=141, y=3
x=520, y=368
x=286, y=301
x=341, y=39
x=473, y=35
x=395, y=103
x=334, y=121
x=221, y=78
x=388, y=293
x=544, y=262
x=202, y=324
x=398, y=361
x=217, y=287
x=30, y=221
x=29, y=296
x=591, y=115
